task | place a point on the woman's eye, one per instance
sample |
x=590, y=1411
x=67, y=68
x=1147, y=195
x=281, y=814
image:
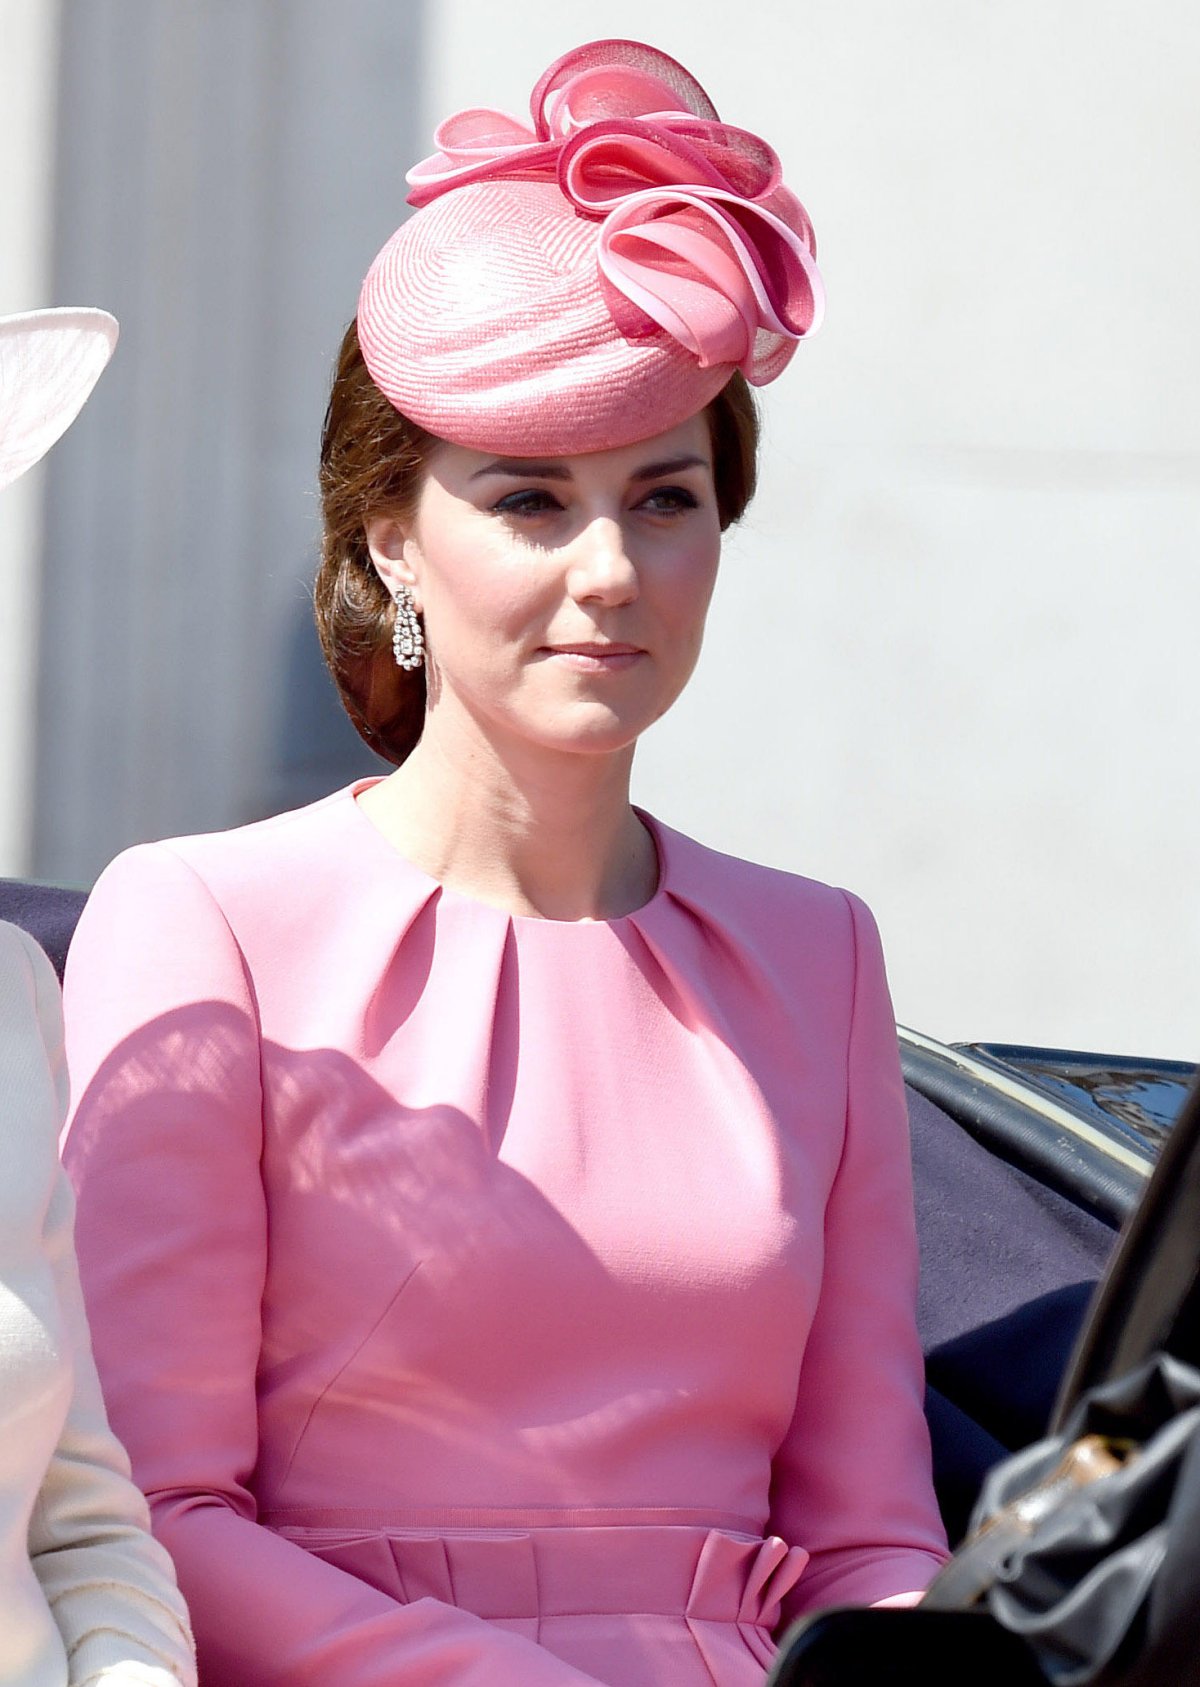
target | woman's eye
x=670, y=500
x=531, y=501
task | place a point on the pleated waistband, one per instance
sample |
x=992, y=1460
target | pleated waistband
x=516, y=1573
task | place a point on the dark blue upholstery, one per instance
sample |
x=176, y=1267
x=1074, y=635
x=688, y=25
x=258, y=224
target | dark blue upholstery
x=1007, y=1270
x=47, y=912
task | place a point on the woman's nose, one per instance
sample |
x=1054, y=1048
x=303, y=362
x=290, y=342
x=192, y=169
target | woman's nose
x=600, y=566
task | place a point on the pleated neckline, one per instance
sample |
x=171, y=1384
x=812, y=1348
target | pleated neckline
x=449, y=897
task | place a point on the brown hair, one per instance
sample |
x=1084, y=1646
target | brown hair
x=373, y=460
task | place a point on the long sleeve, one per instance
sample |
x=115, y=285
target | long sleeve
x=165, y=1147
x=107, y=1585
x=851, y=1481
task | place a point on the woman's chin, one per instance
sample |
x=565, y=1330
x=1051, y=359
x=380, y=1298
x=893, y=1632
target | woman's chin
x=593, y=730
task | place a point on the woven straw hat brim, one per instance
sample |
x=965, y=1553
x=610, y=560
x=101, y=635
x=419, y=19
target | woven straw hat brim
x=49, y=362
x=483, y=320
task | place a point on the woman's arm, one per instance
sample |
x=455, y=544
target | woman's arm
x=109, y=1586
x=165, y=1147
x=851, y=1482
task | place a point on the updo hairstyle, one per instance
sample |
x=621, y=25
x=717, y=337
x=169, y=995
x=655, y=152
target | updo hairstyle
x=373, y=460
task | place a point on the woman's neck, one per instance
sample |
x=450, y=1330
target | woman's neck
x=533, y=831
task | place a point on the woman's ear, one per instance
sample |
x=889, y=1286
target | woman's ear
x=394, y=553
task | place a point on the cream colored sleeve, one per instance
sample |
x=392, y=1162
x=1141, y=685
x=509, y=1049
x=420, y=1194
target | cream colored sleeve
x=110, y=1586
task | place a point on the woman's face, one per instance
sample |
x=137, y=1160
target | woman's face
x=564, y=598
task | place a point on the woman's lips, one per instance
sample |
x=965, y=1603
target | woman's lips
x=595, y=658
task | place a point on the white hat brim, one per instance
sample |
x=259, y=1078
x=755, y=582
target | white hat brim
x=49, y=362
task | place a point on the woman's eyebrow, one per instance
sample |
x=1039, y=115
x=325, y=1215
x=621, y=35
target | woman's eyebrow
x=528, y=468
x=671, y=465
x=524, y=468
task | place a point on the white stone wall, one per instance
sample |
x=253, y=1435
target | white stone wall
x=952, y=658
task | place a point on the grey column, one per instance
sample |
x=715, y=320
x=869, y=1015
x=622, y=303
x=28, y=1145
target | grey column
x=226, y=172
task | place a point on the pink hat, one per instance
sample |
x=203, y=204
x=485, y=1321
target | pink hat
x=49, y=362
x=592, y=280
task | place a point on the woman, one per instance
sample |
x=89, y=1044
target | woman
x=495, y=1206
x=85, y=1593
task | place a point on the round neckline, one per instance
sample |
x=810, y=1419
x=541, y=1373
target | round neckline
x=459, y=898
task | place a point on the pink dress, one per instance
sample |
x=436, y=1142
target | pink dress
x=490, y=1301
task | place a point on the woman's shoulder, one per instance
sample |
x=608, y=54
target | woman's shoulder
x=242, y=863
x=744, y=920
x=29, y=993
x=730, y=886
x=21, y=955
x=32, y=1073
x=185, y=911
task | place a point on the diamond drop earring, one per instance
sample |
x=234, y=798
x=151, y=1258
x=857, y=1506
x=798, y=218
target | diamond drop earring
x=408, y=640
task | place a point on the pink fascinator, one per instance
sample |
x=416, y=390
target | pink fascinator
x=592, y=279
x=49, y=362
